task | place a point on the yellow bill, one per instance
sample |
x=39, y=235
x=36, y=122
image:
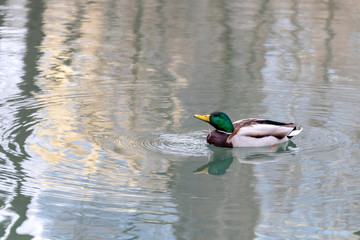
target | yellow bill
x=205, y=118
x=205, y=170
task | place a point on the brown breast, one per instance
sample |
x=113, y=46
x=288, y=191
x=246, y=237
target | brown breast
x=218, y=139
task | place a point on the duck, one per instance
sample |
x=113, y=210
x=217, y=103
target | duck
x=251, y=132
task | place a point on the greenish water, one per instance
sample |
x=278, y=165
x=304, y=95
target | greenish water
x=97, y=138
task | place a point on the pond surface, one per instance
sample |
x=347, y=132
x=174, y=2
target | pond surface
x=97, y=138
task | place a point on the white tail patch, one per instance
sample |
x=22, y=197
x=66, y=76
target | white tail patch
x=295, y=132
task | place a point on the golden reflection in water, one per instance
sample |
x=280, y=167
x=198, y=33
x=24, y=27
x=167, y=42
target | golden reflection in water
x=73, y=31
x=84, y=96
x=62, y=130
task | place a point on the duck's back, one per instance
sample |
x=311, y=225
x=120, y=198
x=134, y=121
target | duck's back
x=261, y=132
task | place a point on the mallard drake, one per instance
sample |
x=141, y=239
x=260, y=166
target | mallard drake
x=250, y=132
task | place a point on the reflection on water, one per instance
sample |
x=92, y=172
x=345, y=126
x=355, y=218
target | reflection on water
x=97, y=139
x=266, y=154
x=221, y=161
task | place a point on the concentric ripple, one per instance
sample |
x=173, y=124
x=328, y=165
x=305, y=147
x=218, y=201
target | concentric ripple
x=322, y=140
x=189, y=144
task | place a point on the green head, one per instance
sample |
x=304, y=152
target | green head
x=218, y=120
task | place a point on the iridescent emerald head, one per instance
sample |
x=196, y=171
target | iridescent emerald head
x=218, y=120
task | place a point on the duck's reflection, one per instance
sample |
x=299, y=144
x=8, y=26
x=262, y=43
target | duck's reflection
x=222, y=158
x=264, y=154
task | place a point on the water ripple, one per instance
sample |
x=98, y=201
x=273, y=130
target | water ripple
x=189, y=144
x=322, y=140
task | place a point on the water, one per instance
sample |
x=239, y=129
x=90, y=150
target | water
x=97, y=138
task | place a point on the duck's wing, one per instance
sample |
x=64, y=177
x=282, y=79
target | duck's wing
x=259, y=128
